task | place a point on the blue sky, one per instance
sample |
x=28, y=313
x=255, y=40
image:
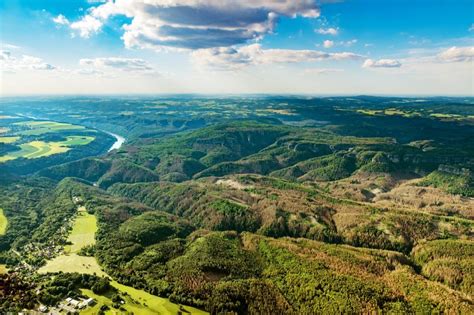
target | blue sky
x=250, y=46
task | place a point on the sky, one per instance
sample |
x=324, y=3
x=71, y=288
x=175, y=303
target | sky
x=325, y=47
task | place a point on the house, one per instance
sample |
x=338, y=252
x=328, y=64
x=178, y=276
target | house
x=89, y=302
x=74, y=303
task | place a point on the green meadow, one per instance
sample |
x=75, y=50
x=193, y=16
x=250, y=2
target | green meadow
x=72, y=263
x=34, y=128
x=137, y=302
x=83, y=231
x=3, y=222
x=8, y=139
x=388, y=112
x=82, y=234
x=39, y=149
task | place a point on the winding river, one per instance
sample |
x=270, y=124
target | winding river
x=118, y=143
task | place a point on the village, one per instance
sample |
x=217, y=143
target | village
x=69, y=306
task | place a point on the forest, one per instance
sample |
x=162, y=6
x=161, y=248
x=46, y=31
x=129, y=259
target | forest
x=265, y=205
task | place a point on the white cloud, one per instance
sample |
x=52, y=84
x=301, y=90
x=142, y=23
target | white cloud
x=5, y=54
x=471, y=29
x=11, y=63
x=9, y=46
x=327, y=31
x=251, y=55
x=42, y=66
x=194, y=24
x=382, y=63
x=457, y=54
x=328, y=43
x=349, y=42
x=117, y=63
x=87, y=26
x=61, y=20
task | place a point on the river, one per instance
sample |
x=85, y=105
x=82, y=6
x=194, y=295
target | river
x=118, y=143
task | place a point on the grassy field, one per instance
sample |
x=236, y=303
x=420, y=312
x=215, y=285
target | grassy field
x=82, y=234
x=73, y=263
x=77, y=140
x=34, y=150
x=137, y=302
x=3, y=222
x=442, y=115
x=42, y=127
x=39, y=149
x=389, y=112
x=83, y=231
x=8, y=139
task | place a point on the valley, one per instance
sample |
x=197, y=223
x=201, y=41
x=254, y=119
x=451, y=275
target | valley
x=255, y=205
x=81, y=239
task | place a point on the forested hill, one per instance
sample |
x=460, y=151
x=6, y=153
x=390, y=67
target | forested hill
x=288, y=206
x=293, y=153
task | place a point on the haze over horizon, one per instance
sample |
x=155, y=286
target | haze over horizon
x=326, y=47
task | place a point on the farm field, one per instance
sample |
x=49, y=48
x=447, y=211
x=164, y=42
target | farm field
x=389, y=112
x=3, y=222
x=137, y=302
x=82, y=234
x=8, y=139
x=39, y=149
x=83, y=231
x=35, y=128
x=72, y=263
x=413, y=114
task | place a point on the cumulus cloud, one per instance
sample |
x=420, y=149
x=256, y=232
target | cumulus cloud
x=5, y=54
x=327, y=31
x=229, y=58
x=61, y=20
x=117, y=63
x=381, y=63
x=328, y=43
x=87, y=26
x=193, y=24
x=11, y=63
x=457, y=54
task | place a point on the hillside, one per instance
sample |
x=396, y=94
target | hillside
x=276, y=214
